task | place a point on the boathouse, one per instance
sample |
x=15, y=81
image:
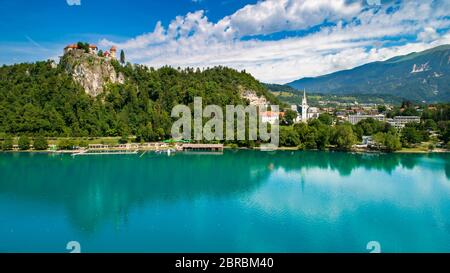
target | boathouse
x=202, y=147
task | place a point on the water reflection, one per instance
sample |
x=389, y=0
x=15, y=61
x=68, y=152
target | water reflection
x=98, y=188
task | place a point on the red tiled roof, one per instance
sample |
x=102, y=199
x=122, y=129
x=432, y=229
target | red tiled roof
x=72, y=46
x=113, y=48
x=272, y=114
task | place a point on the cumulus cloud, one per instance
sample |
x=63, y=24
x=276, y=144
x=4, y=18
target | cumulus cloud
x=73, y=2
x=338, y=34
x=428, y=34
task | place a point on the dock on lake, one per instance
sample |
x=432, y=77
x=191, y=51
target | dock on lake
x=202, y=147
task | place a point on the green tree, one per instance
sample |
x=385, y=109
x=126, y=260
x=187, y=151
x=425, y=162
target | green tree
x=7, y=143
x=344, y=137
x=123, y=139
x=410, y=135
x=430, y=124
x=323, y=137
x=84, y=46
x=66, y=144
x=122, y=57
x=146, y=133
x=382, y=108
x=389, y=142
x=288, y=137
x=83, y=143
x=100, y=53
x=40, y=143
x=326, y=119
x=289, y=117
x=24, y=143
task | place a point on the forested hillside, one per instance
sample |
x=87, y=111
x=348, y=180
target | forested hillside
x=43, y=99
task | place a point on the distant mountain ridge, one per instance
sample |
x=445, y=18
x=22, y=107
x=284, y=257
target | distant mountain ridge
x=421, y=76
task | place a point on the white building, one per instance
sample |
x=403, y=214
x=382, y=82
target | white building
x=354, y=119
x=294, y=108
x=399, y=122
x=305, y=107
x=271, y=117
x=307, y=112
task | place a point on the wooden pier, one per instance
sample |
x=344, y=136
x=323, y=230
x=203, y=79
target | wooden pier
x=202, y=147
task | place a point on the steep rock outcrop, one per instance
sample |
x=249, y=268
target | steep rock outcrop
x=91, y=71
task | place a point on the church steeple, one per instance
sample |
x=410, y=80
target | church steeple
x=305, y=107
x=304, y=101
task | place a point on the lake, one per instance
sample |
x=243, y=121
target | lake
x=241, y=201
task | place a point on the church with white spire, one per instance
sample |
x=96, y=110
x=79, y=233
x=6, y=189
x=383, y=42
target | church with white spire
x=306, y=112
x=305, y=107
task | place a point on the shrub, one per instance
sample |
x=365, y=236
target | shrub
x=7, y=144
x=24, y=143
x=40, y=143
x=66, y=144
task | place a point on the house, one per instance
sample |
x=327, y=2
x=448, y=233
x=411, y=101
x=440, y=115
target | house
x=93, y=49
x=367, y=141
x=271, y=117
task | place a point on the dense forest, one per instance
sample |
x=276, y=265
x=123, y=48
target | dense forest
x=42, y=99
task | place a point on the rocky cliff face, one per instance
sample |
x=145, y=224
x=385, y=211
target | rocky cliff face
x=90, y=71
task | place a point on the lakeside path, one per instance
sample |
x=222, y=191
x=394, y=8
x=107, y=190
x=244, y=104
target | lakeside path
x=358, y=150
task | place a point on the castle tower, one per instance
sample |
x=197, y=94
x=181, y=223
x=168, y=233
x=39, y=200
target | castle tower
x=113, y=52
x=305, y=107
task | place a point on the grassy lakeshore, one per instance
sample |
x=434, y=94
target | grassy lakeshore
x=82, y=143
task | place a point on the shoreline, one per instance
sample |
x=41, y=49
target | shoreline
x=292, y=149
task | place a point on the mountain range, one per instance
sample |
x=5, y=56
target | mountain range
x=419, y=76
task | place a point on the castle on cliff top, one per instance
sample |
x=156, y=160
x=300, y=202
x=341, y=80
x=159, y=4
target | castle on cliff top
x=92, y=49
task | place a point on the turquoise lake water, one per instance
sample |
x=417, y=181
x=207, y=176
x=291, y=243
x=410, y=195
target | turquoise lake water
x=241, y=201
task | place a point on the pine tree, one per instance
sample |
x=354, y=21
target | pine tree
x=122, y=57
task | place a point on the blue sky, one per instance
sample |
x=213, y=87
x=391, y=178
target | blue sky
x=276, y=40
x=55, y=20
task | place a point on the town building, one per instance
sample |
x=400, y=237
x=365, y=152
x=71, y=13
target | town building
x=271, y=117
x=355, y=119
x=93, y=49
x=113, y=52
x=399, y=122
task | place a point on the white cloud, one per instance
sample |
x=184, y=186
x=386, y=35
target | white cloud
x=360, y=35
x=73, y=2
x=428, y=34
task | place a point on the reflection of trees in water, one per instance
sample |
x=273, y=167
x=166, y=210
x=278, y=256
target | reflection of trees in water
x=345, y=163
x=95, y=188
x=447, y=170
x=98, y=188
